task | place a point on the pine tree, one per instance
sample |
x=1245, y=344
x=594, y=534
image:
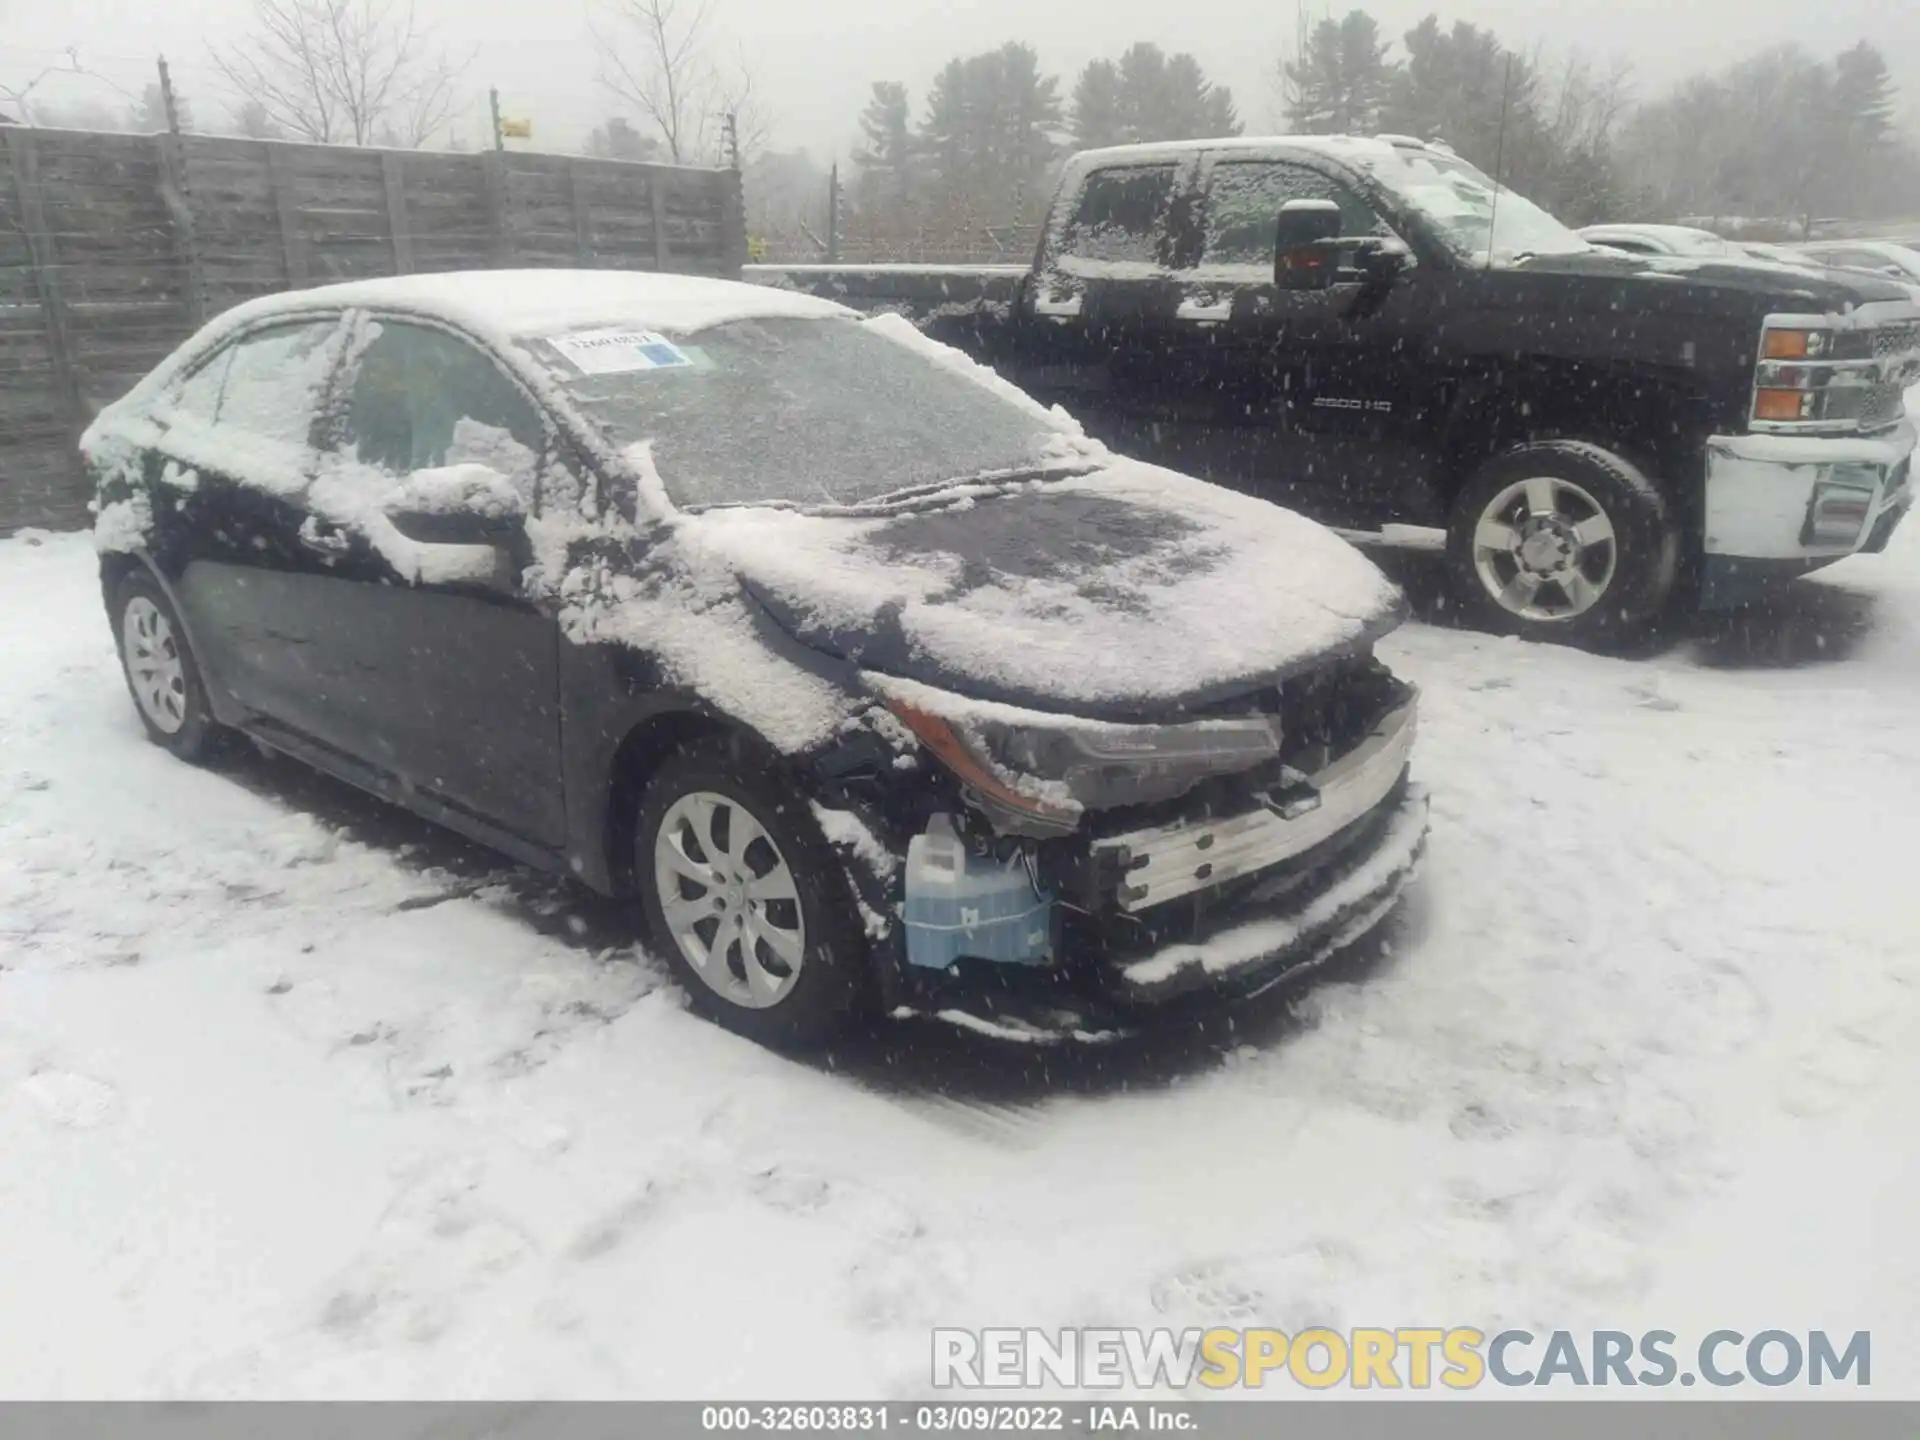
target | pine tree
x=1341, y=82
x=1193, y=108
x=1147, y=95
x=884, y=191
x=1096, y=107
x=991, y=136
x=252, y=120
x=619, y=140
x=1864, y=90
x=150, y=114
x=1464, y=87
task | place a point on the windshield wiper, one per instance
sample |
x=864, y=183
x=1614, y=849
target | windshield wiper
x=905, y=495
x=909, y=493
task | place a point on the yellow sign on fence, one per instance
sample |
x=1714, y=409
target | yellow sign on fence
x=516, y=129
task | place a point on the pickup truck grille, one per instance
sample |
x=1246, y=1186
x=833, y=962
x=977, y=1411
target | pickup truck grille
x=1891, y=342
x=1896, y=346
x=1885, y=404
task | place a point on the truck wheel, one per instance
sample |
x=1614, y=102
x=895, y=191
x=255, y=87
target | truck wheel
x=745, y=901
x=1562, y=540
x=162, y=676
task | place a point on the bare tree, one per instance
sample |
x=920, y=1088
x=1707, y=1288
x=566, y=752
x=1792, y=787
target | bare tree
x=659, y=59
x=84, y=115
x=1583, y=103
x=353, y=72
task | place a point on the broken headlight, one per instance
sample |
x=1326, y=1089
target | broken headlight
x=1039, y=773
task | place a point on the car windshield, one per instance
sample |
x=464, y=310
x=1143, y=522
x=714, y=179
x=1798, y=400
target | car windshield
x=1480, y=221
x=802, y=412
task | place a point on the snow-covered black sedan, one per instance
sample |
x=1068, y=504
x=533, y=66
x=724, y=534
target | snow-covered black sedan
x=878, y=685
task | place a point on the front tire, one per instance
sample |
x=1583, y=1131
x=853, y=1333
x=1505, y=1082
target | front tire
x=746, y=902
x=162, y=674
x=1563, y=540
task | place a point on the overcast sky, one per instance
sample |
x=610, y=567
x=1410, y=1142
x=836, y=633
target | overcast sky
x=814, y=61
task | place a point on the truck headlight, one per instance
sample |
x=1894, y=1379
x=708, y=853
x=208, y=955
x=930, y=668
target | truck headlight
x=1814, y=374
x=1780, y=403
x=1795, y=344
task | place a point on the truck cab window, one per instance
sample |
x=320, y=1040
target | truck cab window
x=1243, y=207
x=1121, y=215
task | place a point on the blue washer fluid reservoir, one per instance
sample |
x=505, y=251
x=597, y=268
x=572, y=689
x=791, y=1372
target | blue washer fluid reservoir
x=965, y=906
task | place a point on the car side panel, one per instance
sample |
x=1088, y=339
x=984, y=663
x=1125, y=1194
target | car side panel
x=454, y=693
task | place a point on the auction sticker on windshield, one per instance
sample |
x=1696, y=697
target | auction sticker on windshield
x=616, y=352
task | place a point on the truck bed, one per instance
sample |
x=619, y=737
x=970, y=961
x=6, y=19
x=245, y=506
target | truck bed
x=921, y=292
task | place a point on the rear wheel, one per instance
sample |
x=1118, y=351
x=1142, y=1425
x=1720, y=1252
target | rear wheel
x=1563, y=540
x=161, y=672
x=746, y=903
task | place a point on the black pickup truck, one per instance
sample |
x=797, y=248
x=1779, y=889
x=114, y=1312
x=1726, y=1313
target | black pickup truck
x=1372, y=332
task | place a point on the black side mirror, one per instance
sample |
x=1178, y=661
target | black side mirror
x=1306, y=245
x=1381, y=261
x=457, y=505
x=473, y=518
x=459, y=527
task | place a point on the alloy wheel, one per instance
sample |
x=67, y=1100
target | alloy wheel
x=1545, y=549
x=729, y=899
x=154, y=662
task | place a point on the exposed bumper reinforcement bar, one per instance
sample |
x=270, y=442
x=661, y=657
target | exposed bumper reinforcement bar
x=1161, y=864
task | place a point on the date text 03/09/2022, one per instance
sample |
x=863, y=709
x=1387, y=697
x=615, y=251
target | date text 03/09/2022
x=947, y=1418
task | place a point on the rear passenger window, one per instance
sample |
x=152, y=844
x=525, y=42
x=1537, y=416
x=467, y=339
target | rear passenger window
x=1243, y=208
x=1121, y=215
x=199, y=394
x=273, y=381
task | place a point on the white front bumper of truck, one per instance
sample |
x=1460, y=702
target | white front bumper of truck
x=1805, y=498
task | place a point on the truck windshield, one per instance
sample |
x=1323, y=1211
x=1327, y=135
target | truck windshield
x=803, y=412
x=1460, y=203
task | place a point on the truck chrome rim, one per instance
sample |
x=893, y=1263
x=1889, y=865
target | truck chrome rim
x=154, y=665
x=729, y=899
x=1545, y=549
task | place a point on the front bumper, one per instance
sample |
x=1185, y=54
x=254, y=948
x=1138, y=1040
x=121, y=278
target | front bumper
x=1165, y=863
x=1278, y=927
x=1316, y=913
x=1806, y=500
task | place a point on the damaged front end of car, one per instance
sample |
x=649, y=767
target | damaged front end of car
x=1048, y=878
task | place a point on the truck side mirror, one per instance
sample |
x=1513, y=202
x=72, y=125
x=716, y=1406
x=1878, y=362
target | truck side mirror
x=1306, y=245
x=1381, y=261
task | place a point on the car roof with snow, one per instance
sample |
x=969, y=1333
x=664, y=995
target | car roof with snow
x=1892, y=249
x=523, y=304
x=1687, y=236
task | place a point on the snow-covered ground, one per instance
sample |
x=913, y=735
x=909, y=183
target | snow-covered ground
x=299, y=1097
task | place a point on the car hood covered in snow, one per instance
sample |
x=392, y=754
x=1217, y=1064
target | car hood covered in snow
x=1123, y=593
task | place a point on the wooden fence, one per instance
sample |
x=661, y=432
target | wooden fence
x=114, y=248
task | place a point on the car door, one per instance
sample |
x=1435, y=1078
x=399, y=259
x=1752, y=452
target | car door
x=230, y=471
x=443, y=678
x=1308, y=393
